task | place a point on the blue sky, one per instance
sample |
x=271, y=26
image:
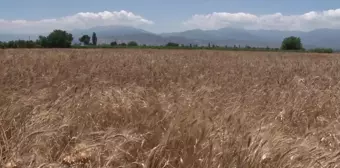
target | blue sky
x=167, y=16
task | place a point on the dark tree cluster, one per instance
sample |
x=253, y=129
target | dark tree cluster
x=56, y=39
x=292, y=43
x=130, y=44
x=171, y=44
x=19, y=44
x=86, y=39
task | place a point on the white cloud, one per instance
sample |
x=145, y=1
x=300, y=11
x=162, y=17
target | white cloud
x=277, y=21
x=77, y=21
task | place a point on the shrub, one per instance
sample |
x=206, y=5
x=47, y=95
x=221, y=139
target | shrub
x=114, y=43
x=322, y=50
x=171, y=44
x=132, y=43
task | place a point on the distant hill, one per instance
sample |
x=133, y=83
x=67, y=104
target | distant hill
x=272, y=38
x=225, y=36
x=107, y=34
x=107, y=31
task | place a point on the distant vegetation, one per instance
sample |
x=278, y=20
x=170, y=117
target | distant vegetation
x=94, y=38
x=132, y=44
x=292, y=43
x=63, y=39
x=172, y=45
x=322, y=50
x=56, y=39
x=85, y=39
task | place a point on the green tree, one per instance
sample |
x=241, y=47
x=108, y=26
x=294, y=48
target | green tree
x=59, y=39
x=85, y=39
x=122, y=44
x=114, y=43
x=30, y=44
x=42, y=41
x=20, y=43
x=291, y=43
x=132, y=43
x=2, y=44
x=171, y=44
x=12, y=44
x=94, y=38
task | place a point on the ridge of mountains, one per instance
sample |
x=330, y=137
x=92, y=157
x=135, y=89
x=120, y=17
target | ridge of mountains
x=323, y=38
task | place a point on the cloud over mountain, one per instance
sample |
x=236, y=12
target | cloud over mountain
x=277, y=21
x=77, y=21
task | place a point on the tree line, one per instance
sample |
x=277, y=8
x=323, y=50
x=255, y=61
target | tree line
x=63, y=39
x=56, y=39
x=85, y=39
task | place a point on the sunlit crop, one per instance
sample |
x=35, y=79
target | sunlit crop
x=148, y=108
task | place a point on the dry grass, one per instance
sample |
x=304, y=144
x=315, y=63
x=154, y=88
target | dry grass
x=168, y=108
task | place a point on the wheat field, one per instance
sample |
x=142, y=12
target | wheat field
x=143, y=108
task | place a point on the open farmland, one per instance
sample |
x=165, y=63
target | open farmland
x=168, y=108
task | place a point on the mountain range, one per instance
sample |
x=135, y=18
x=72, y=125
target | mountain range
x=326, y=38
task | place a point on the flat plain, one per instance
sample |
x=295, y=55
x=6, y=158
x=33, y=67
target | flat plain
x=148, y=108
